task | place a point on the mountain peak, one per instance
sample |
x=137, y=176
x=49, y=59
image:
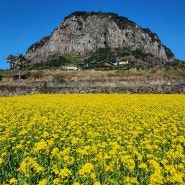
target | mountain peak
x=82, y=34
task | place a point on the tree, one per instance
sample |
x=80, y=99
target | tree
x=11, y=59
x=16, y=61
x=20, y=62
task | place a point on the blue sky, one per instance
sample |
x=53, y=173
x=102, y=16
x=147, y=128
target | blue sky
x=23, y=22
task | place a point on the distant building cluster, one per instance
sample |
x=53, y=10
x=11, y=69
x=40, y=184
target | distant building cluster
x=104, y=64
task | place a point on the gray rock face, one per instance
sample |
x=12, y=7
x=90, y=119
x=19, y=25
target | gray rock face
x=81, y=34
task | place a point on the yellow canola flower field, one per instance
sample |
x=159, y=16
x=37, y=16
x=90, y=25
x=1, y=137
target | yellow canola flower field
x=92, y=140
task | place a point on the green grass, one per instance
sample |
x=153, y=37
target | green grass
x=5, y=72
x=72, y=60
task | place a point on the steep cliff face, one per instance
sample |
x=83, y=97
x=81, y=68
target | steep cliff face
x=82, y=33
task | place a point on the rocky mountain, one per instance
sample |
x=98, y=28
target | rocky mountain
x=83, y=34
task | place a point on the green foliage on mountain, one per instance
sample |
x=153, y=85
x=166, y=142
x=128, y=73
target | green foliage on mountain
x=71, y=59
x=56, y=61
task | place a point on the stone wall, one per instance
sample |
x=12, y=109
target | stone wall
x=86, y=88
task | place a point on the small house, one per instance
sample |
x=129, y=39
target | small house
x=70, y=68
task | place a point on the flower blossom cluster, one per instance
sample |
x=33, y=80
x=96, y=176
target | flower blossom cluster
x=92, y=139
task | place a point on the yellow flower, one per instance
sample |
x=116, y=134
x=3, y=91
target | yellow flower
x=41, y=145
x=1, y=160
x=64, y=173
x=45, y=134
x=42, y=182
x=156, y=178
x=143, y=166
x=39, y=169
x=76, y=183
x=55, y=169
x=73, y=138
x=81, y=172
x=93, y=176
x=96, y=183
x=4, y=154
x=66, y=158
x=130, y=180
x=74, y=141
x=13, y=181
x=56, y=181
x=86, y=168
x=55, y=152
